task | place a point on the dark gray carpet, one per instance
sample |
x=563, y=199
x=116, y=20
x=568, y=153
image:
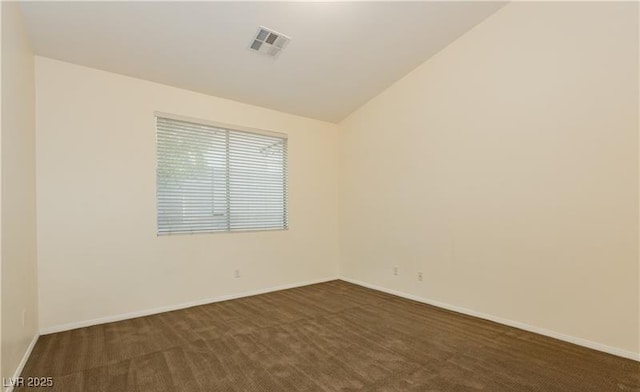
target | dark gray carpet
x=333, y=336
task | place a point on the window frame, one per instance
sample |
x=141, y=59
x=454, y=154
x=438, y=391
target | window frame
x=231, y=128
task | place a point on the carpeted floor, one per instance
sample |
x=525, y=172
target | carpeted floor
x=332, y=336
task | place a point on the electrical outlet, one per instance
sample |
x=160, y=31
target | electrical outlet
x=419, y=276
x=395, y=270
x=236, y=273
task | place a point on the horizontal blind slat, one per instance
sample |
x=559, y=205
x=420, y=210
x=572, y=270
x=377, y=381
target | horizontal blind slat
x=211, y=179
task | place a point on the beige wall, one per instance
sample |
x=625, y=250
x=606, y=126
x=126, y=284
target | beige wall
x=98, y=252
x=19, y=281
x=505, y=169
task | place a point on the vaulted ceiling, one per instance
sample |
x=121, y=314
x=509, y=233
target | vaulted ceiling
x=341, y=54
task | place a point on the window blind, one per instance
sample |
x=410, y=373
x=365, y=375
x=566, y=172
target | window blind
x=213, y=179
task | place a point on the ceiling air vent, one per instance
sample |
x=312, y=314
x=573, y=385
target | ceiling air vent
x=269, y=42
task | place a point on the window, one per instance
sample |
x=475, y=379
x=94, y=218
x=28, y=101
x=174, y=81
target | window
x=212, y=178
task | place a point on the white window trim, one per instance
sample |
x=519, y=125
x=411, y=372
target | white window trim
x=215, y=124
x=230, y=127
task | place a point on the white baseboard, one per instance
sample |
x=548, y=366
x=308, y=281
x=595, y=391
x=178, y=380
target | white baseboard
x=516, y=324
x=23, y=361
x=147, y=312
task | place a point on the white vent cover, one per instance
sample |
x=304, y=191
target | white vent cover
x=269, y=42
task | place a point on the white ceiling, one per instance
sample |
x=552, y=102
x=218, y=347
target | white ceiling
x=340, y=55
